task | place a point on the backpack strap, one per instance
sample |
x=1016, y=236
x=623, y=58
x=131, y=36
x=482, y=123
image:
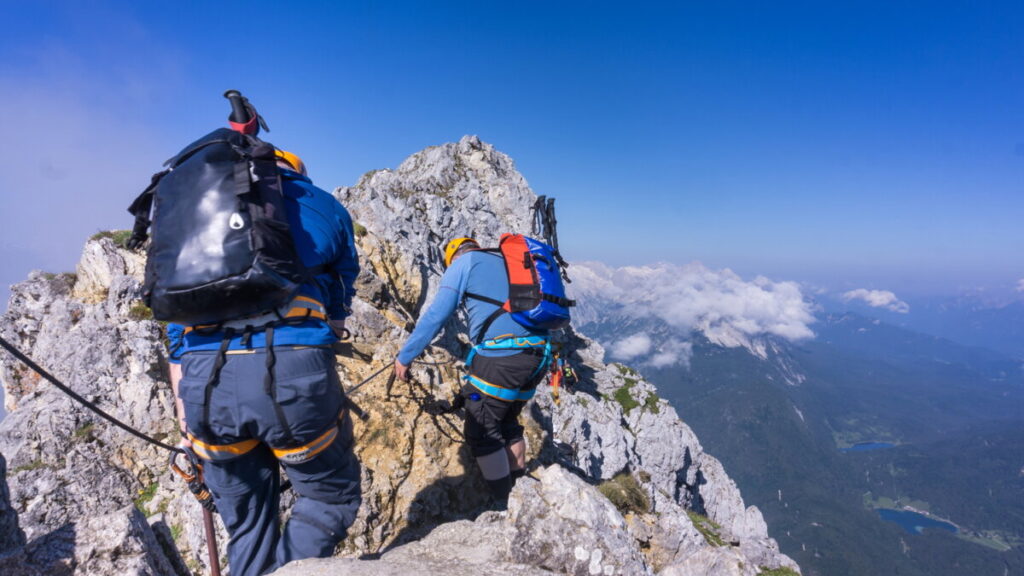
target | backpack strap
x=564, y=302
x=176, y=161
x=141, y=208
x=502, y=309
x=483, y=298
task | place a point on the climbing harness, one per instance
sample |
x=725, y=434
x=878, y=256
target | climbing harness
x=510, y=342
x=300, y=310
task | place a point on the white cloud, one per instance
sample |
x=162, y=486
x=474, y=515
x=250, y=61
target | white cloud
x=640, y=348
x=631, y=347
x=1020, y=285
x=729, y=311
x=878, y=299
x=671, y=353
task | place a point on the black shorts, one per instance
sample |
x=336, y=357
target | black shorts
x=493, y=424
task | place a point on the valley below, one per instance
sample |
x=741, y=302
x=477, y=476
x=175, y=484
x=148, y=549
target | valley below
x=870, y=449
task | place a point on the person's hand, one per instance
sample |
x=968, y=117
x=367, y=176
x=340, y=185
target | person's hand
x=184, y=442
x=401, y=371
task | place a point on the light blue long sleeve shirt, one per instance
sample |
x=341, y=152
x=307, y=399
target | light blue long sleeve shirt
x=475, y=272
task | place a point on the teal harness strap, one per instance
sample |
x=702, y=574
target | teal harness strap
x=498, y=392
x=545, y=362
x=509, y=343
x=513, y=343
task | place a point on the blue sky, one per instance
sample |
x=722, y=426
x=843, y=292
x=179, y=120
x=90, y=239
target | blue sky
x=862, y=144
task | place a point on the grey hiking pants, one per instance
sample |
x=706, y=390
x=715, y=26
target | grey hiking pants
x=243, y=426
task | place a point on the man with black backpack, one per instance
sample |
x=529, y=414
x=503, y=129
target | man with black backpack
x=511, y=355
x=263, y=391
x=254, y=268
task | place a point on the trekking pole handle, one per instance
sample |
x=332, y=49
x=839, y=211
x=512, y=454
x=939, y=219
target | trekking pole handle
x=243, y=117
x=239, y=112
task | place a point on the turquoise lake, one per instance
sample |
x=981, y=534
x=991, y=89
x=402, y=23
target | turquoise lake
x=913, y=522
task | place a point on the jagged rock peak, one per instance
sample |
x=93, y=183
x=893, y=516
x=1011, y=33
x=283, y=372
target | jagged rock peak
x=466, y=188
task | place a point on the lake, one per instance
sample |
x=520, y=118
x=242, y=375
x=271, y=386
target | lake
x=865, y=446
x=913, y=522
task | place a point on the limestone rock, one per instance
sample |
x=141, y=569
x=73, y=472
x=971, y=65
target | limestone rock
x=120, y=542
x=461, y=548
x=713, y=562
x=727, y=506
x=101, y=263
x=557, y=523
x=670, y=537
x=462, y=189
x=67, y=466
x=565, y=525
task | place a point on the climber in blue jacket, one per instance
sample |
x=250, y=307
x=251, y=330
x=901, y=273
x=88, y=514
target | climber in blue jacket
x=251, y=399
x=492, y=428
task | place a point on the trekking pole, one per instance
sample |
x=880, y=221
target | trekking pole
x=353, y=389
x=211, y=542
x=194, y=477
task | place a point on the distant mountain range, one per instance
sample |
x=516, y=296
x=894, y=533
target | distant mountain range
x=972, y=319
x=938, y=425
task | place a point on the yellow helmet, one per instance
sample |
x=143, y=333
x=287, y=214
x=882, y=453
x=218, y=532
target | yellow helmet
x=292, y=160
x=453, y=247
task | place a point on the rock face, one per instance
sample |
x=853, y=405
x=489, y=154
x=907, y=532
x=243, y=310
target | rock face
x=11, y=536
x=620, y=485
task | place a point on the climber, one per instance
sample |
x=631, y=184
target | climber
x=491, y=428
x=257, y=392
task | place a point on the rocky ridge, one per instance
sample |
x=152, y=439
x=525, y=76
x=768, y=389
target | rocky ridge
x=620, y=485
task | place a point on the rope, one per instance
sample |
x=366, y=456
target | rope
x=437, y=410
x=353, y=389
x=442, y=363
x=427, y=402
x=37, y=369
x=367, y=380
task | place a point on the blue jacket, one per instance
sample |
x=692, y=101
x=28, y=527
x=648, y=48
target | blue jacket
x=478, y=272
x=322, y=231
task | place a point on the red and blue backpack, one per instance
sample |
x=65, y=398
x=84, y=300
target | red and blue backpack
x=536, y=294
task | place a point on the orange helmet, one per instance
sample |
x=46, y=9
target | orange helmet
x=292, y=160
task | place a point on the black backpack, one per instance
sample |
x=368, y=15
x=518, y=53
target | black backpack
x=221, y=247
